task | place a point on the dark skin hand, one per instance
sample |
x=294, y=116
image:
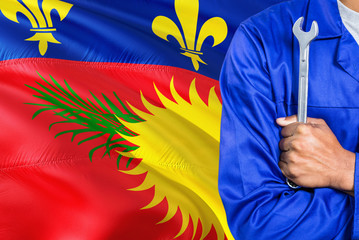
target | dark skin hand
x=312, y=157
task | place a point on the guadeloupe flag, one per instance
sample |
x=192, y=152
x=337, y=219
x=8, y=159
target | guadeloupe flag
x=110, y=117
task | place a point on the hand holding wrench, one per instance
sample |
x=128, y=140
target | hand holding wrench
x=304, y=39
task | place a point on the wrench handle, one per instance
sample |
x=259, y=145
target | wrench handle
x=302, y=93
x=303, y=84
x=304, y=39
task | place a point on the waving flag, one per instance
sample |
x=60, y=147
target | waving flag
x=110, y=115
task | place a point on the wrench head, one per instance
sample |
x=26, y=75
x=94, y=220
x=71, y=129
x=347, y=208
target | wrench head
x=305, y=37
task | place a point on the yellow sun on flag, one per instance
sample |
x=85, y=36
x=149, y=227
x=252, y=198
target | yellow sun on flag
x=179, y=148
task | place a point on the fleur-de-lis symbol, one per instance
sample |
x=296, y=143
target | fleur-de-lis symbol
x=40, y=19
x=187, y=13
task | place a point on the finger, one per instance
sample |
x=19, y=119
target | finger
x=284, y=144
x=318, y=121
x=289, y=130
x=284, y=157
x=283, y=167
x=284, y=121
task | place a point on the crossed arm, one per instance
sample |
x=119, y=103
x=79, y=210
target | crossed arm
x=258, y=203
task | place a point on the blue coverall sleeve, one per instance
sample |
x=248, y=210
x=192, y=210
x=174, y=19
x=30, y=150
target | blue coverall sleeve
x=258, y=203
x=356, y=196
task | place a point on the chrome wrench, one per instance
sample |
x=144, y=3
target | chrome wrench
x=304, y=39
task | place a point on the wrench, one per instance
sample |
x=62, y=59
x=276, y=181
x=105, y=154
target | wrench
x=304, y=39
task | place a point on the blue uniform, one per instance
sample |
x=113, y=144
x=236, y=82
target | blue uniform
x=259, y=83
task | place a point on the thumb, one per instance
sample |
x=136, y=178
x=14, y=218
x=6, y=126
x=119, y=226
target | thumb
x=285, y=121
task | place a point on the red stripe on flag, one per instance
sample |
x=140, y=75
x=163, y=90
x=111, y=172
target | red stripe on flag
x=49, y=187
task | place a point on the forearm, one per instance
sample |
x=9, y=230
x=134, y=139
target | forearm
x=349, y=180
x=343, y=180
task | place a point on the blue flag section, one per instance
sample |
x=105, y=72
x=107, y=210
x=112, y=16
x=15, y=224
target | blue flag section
x=125, y=31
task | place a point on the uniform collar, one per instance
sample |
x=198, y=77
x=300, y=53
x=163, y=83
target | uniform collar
x=348, y=55
x=327, y=15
